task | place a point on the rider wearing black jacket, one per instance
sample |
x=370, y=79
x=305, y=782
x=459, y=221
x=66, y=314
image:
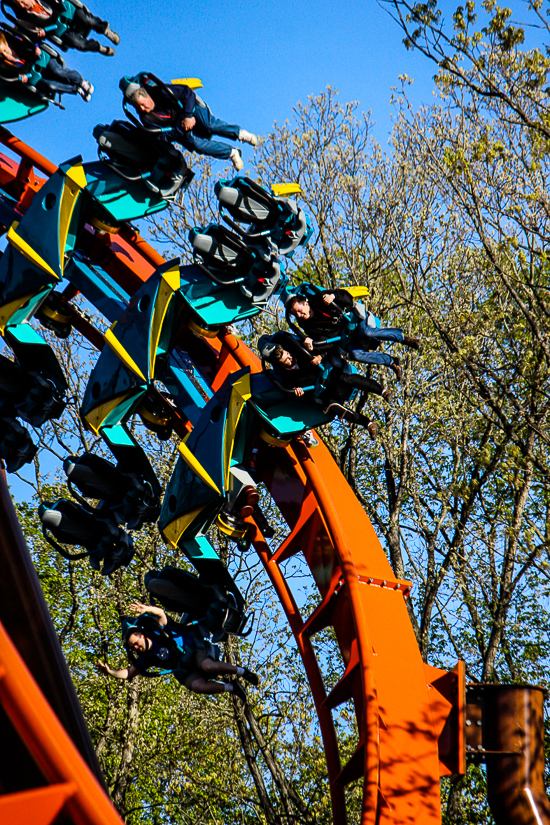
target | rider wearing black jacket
x=154, y=643
x=321, y=317
x=297, y=369
x=187, y=119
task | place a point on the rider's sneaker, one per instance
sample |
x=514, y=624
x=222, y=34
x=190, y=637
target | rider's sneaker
x=112, y=36
x=387, y=395
x=372, y=429
x=86, y=90
x=236, y=159
x=106, y=50
x=251, y=677
x=412, y=343
x=397, y=368
x=309, y=439
x=239, y=692
x=248, y=137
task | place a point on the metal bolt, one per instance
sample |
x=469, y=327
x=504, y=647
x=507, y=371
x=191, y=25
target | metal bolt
x=468, y=721
x=479, y=723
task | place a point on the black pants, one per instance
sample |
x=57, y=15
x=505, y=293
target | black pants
x=341, y=384
x=82, y=24
x=339, y=390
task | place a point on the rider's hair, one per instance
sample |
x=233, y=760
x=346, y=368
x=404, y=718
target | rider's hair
x=277, y=353
x=295, y=299
x=139, y=93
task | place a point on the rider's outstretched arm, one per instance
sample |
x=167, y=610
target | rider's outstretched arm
x=125, y=673
x=158, y=612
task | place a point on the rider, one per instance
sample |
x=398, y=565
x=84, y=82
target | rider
x=154, y=641
x=21, y=58
x=190, y=120
x=321, y=316
x=37, y=16
x=296, y=369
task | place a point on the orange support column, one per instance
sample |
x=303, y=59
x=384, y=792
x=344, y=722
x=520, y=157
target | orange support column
x=73, y=789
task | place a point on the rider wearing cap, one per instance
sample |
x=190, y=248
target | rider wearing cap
x=154, y=641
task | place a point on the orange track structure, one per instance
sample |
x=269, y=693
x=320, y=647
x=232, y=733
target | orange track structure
x=402, y=706
x=72, y=789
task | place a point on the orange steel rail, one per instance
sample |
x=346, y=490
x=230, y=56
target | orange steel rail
x=396, y=756
x=398, y=718
x=26, y=618
x=72, y=789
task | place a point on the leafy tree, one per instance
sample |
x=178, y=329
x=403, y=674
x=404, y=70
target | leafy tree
x=449, y=229
x=170, y=756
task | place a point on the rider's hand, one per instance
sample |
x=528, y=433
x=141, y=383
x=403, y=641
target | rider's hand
x=139, y=608
x=103, y=667
x=41, y=33
x=188, y=123
x=328, y=299
x=38, y=51
x=316, y=360
x=299, y=391
x=308, y=343
x=23, y=78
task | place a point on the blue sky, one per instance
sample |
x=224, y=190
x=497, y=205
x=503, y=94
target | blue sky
x=256, y=60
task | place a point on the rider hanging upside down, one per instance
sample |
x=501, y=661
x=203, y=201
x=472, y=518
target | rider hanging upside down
x=154, y=641
x=296, y=369
x=187, y=116
x=66, y=23
x=19, y=58
x=321, y=316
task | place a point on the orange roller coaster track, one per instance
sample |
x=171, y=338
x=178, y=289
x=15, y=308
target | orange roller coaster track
x=402, y=706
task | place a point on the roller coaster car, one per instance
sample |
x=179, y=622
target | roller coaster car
x=55, y=315
x=211, y=607
x=285, y=415
x=30, y=395
x=351, y=319
x=16, y=445
x=103, y=540
x=58, y=23
x=228, y=260
x=17, y=100
x=171, y=105
x=278, y=218
x=126, y=497
x=135, y=155
x=136, y=175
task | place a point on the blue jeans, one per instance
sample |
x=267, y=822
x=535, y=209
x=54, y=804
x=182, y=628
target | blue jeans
x=366, y=339
x=198, y=139
x=56, y=78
